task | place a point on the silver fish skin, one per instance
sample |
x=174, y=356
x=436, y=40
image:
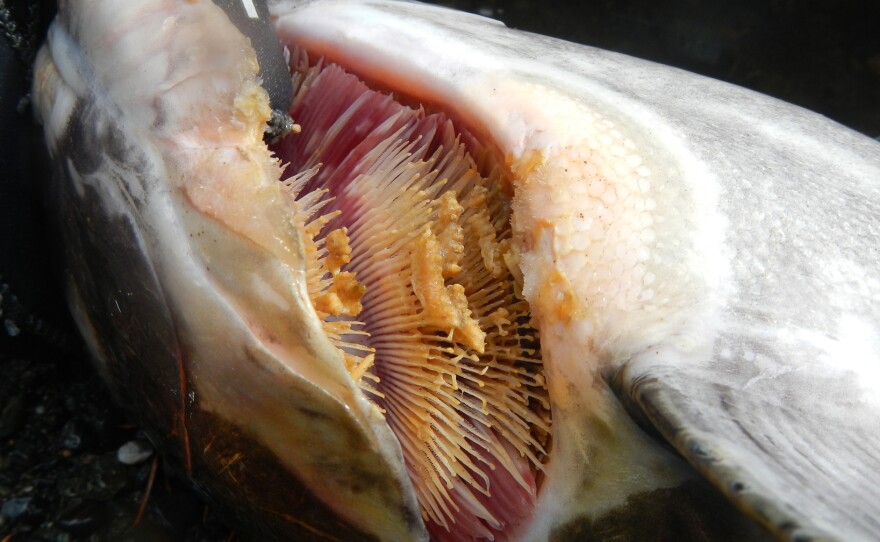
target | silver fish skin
x=695, y=254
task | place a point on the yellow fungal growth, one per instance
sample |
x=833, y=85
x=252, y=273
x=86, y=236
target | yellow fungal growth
x=339, y=251
x=251, y=106
x=499, y=319
x=450, y=235
x=489, y=248
x=343, y=297
x=412, y=268
x=444, y=308
x=334, y=293
x=458, y=369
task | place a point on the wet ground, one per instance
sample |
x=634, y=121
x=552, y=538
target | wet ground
x=62, y=476
x=73, y=468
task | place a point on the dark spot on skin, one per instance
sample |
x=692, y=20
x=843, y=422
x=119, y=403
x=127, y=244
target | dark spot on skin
x=413, y=520
x=94, y=135
x=693, y=511
x=161, y=115
x=789, y=526
x=87, y=159
x=314, y=414
x=700, y=452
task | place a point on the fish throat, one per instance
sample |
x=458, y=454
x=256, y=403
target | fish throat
x=414, y=273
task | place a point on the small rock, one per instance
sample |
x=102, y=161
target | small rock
x=73, y=435
x=22, y=457
x=12, y=328
x=134, y=452
x=82, y=518
x=11, y=416
x=101, y=479
x=15, y=509
x=873, y=64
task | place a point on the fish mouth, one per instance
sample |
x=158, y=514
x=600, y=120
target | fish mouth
x=361, y=312
x=413, y=272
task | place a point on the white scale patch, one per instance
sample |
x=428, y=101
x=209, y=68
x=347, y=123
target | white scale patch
x=595, y=210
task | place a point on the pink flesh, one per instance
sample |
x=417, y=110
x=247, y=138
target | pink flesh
x=363, y=118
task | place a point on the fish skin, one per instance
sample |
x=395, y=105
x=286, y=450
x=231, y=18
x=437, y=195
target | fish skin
x=144, y=290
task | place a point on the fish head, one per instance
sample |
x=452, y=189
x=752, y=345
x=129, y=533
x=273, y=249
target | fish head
x=416, y=316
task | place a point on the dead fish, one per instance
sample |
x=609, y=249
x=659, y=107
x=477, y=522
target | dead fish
x=448, y=306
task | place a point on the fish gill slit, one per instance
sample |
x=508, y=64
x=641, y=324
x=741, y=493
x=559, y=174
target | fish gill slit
x=412, y=269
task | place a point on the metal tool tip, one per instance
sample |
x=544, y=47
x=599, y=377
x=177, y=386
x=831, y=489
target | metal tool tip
x=280, y=124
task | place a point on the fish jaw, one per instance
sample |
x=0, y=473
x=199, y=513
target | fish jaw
x=165, y=190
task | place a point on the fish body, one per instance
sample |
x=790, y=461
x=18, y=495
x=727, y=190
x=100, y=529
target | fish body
x=694, y=254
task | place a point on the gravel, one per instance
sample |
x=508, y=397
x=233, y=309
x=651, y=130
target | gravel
x=72, y=467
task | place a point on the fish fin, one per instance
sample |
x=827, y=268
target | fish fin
x=803, y=462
